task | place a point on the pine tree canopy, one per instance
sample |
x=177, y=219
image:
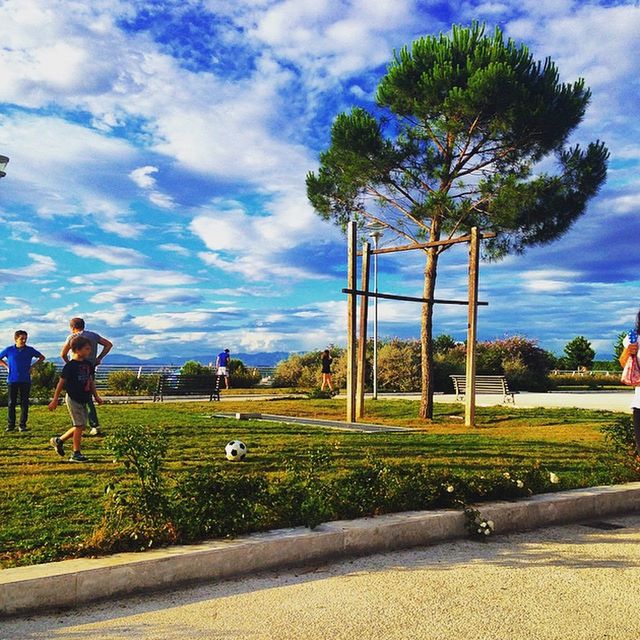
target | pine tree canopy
x=471, y=127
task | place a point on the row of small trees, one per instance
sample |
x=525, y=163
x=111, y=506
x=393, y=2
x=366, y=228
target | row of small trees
x=192, y=375
x=525, y=364
x=127, y=382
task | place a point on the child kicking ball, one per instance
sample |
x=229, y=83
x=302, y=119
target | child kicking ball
x=77, y=380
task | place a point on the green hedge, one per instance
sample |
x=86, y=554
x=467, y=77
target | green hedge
x=153, y=508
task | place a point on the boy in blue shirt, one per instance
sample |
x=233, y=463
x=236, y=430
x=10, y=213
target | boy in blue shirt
x=19, y=362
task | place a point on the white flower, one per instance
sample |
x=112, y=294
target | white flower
x=479, y=530
x=483, y=524
x=520, y=484
x=487, y=532
x=553, y=478
x=450, y=488
x=506, y=475
x=490, y=524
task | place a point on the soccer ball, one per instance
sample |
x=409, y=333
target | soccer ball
x=235, y=450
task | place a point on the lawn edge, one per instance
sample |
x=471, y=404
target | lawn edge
x=71, y=583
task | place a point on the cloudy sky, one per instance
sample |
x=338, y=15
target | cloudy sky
x=158, y=154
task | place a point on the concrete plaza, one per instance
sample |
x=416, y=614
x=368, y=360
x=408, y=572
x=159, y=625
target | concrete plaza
x=579, y=582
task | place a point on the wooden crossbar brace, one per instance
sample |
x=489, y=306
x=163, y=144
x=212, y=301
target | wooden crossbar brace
x=391, y=296
x=436, y=243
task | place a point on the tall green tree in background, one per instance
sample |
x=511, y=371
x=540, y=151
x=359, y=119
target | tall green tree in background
x=618, y=348
x=578, y=353
x=466, y=121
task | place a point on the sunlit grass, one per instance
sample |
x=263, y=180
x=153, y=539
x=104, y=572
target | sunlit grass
x=47, y=502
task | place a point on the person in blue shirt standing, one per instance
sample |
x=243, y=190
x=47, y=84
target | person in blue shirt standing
x=18, y=359
x=222, y=366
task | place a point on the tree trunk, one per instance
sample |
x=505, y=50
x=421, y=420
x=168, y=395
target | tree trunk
x=426, y=328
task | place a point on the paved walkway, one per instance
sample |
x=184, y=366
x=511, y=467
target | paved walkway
x=606, y=400
x=564, y=583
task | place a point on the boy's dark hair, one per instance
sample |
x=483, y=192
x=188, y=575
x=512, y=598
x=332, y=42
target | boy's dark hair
x=76, y=323
x=20, y=332
x=78, y=342
x=226, y=350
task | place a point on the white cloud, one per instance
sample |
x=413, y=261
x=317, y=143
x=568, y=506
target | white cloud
x=139, y=277
x=175, y=248
x=143, y=176
x=109, y=254
x=57, y=167
x=174, y=321
x=41, y=266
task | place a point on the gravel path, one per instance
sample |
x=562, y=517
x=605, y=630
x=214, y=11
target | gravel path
x=569, y=583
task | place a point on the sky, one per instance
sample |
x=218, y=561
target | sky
x=158, y=153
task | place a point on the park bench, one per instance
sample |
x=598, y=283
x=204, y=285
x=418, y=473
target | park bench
x=174, y=384
x=484, y=384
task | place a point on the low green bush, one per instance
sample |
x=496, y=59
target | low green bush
x=585, y=380
x=127, y=383
x=150, y=508
x=241, y=376
x=620, y=434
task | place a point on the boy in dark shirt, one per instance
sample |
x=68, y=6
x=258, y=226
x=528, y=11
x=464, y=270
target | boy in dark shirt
x=77, y=379
x=19, y=362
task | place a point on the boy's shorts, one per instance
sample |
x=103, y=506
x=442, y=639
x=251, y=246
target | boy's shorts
x=77, y=411
x=222, y=371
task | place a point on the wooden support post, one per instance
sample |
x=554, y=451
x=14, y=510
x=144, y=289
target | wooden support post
x=362, y=338
x=352, y=257
x=470, y=395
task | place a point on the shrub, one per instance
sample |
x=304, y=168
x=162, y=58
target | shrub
x=588, y=379
x=45, y=376
x=147, y=509
x=127, y=383
x=123, y=383
x=137, y=515
x=304, y=370
x=620, y=434
x=399, y=365
x=242, y=377
x=214, y=503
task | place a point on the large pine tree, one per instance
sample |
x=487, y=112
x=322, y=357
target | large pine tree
x=468, y=120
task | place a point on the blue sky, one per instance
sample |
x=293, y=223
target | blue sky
x=158, y=154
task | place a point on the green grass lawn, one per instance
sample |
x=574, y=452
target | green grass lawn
x=47, y=503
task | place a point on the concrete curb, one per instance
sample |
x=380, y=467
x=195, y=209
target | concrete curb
x=74, y=582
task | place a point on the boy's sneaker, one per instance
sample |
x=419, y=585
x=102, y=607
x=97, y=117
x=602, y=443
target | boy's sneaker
x=23, y=428
x=78, y=457
x=95, y=431
x=58, y=445
x=10, y=428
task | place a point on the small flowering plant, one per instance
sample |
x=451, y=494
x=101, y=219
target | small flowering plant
x=478, y=527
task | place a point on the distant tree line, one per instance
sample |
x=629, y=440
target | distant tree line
x=526, y=365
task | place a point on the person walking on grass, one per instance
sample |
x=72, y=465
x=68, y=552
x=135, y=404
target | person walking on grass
x=77, y=380
x=326, y=370
x=630, y=344
x=19, y=363
x=95, y=358
x=222, y=366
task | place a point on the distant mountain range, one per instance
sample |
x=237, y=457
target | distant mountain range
x=262, y=358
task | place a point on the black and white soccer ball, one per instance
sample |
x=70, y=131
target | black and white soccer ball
x=235, y=450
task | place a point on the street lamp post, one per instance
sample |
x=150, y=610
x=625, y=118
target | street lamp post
x=375, y=231
x=3, y=163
